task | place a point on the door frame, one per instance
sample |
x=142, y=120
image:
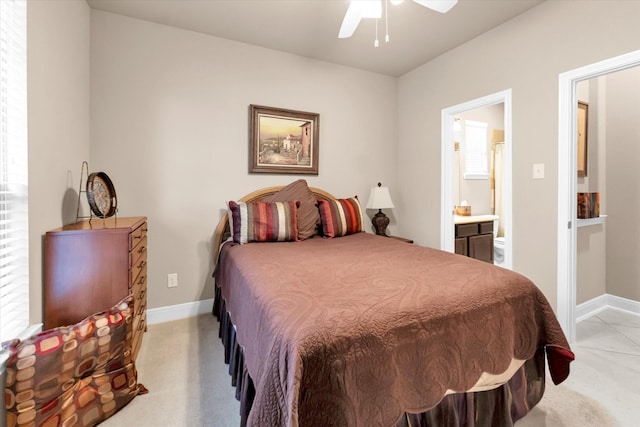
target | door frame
x=447, y=150
x=567, y=180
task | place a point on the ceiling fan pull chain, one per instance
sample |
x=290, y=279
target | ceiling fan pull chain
x=376, y=43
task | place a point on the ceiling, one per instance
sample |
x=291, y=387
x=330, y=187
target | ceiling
x=310, y=27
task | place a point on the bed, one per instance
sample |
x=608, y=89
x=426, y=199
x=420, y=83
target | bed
x=334, y=326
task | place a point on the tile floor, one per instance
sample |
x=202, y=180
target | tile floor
x=607, y=365
x=181, y=364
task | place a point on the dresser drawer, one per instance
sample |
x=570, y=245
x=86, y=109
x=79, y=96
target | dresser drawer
x=137, y=236
x=485, y=227
x=140, y=282
x=139, y=327
x=464, y=230
x=138, y=253
x=139, y=261
x=140, y=304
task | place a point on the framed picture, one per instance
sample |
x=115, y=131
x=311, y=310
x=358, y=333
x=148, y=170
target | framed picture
x=283, y=141
x=583, y=119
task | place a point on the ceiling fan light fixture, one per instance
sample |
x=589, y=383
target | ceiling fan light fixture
x=442, y=6
x=360, y=9
x=370, y=8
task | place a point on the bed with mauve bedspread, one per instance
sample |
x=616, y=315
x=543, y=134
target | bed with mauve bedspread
x=363, y=330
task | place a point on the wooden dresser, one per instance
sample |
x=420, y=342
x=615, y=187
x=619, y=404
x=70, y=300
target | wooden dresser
x=91, y=265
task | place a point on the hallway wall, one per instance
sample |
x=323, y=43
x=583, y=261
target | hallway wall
x=623, y=186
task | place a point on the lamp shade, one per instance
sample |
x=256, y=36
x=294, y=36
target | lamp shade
x=379, y=198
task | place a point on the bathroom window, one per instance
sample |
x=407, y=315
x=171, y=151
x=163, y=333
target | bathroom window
x=476, y=159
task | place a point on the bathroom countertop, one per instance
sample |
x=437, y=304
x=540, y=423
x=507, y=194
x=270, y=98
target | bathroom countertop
x=460, y=219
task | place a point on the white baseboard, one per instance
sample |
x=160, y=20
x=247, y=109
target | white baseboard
x=596, y=305
x=583, y=311
x=179, y=311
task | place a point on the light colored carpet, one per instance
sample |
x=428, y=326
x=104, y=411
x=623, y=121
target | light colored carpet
x=182, y=365
x=563, y=407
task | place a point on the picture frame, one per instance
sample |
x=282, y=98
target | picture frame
x=583, y=122
x=283, y=141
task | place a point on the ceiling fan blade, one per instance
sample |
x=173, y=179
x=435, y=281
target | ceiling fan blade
x=357, y=10
x=351, y=20
x=442, y=6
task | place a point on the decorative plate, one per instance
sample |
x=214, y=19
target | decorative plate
x=101, y=195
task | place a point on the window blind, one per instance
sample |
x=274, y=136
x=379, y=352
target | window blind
x=476, y=160
x=14, y=232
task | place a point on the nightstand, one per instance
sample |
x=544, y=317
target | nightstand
x=402, y=239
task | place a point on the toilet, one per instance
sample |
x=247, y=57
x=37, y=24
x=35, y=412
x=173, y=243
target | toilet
x=498, y=245
x=498, y=251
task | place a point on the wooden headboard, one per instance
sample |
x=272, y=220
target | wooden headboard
x=222, y=232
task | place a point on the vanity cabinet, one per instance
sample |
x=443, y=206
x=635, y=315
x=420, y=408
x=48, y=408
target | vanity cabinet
x=475, y=240
x=91, y=265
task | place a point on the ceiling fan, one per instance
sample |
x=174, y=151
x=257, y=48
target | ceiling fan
x=359, y=9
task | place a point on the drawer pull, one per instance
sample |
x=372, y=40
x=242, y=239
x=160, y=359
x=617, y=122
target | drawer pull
x=138, y=237
x=141, y=280
x=142, y=294
x=142, y=249
x=142, y=263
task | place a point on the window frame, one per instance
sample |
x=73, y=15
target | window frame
x=476, y=152
x=14, y=211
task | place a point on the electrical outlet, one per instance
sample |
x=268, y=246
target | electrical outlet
x=538, y=171
x=172, y=280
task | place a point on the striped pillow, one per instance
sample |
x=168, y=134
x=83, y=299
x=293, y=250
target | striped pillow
x=308, y=216
x=340, y=217
x=264, y=222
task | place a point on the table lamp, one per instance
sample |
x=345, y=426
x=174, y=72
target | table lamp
x=379, y=198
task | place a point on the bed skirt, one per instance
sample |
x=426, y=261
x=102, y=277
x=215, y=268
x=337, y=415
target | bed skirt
x=499, y=407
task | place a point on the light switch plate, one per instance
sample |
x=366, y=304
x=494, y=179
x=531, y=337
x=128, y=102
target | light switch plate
x=538, y=170
x=172, y=280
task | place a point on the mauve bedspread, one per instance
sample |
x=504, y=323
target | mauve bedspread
x=356, y=330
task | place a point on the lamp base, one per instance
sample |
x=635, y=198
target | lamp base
x=380, y=222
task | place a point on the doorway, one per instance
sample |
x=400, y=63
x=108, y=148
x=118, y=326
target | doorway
x=448, y=190
x=567, y=181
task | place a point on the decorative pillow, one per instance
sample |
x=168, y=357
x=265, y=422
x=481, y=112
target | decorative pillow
x=57, y=377
x=340, y=217
x=308, y=216
x=264, y=221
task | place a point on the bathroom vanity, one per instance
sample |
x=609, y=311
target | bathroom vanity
x=474, y=236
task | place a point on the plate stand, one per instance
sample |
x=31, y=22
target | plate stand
x=85, y=168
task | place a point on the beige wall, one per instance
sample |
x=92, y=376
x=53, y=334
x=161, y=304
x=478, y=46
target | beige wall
x=169, y=114
x=623, y=185
x=591, y=248
x=58, y=115
x=526, y=54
